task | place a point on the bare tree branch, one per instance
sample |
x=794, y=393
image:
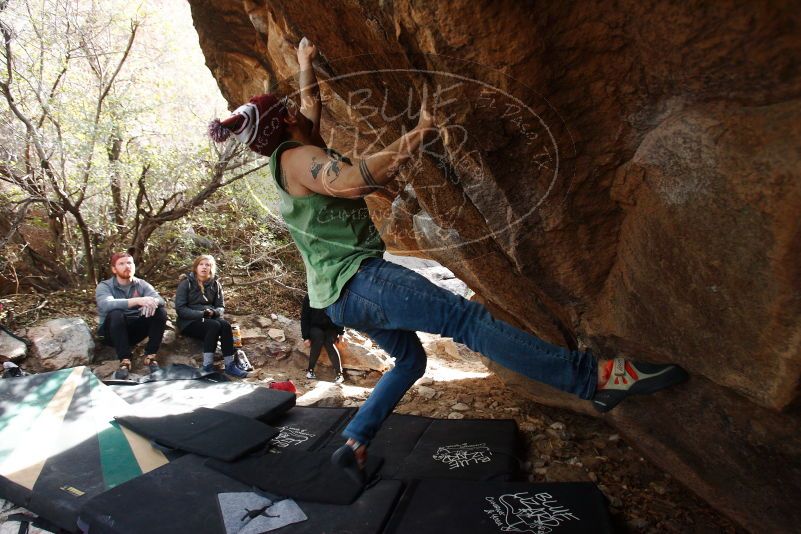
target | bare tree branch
x=99, y=109
x=266, y=256
x=273, y=279
x=134, y=28
x=46, y=104
x=140, y=195
x=19, y=216
x=242, y=175
x=33, y=133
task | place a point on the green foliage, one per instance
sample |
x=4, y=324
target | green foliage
x=229, y=226
x=141, y=127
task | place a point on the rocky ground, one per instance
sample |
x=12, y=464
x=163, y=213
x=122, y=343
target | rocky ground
x=558, y=445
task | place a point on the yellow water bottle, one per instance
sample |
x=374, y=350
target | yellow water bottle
x=237, y=335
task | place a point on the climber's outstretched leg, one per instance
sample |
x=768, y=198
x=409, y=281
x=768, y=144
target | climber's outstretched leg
x=387, y=296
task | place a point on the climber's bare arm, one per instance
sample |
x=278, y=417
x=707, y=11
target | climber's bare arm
x=311, y=169
x=310, y=104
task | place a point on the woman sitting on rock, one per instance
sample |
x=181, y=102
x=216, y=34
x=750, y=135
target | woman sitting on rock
x=200, y=305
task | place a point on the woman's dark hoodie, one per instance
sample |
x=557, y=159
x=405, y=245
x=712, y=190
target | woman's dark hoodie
x=190, y=300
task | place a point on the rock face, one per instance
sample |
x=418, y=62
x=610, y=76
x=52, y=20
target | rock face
x=11, y=349
x=357, y=352
x=61, y=343
x=360, y=353
x=626, y=179
x=324, y=394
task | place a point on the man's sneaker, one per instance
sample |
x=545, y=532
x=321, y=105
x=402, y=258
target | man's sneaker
x=310, y=374
x=627, y=377
x=121, y=373
x=210, y=368
x=233, y=370
x=124, y=370
x=339, y=378
x=152, y=363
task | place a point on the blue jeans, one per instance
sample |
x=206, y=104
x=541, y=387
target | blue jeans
x=390, y=303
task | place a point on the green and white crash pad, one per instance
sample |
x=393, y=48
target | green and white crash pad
x=59, y=444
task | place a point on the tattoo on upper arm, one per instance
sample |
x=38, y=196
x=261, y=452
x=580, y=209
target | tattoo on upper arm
x=333, y=154
x=367, y=176
x=335, y=168
x=315, y=168
x=332, y=167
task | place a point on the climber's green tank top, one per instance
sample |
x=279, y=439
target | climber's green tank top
x=334, y=235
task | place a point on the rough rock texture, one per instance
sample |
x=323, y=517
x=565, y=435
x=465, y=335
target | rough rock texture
x=357, y=351
x=61, y=343
x=173, y=349
x=360, y=353
x=324, y=394
x=434, y=272
x=625, y=178
x=11, y=349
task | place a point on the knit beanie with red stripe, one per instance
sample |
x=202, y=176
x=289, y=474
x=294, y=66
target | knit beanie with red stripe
x=259, y=124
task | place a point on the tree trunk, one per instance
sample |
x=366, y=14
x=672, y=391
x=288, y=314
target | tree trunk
x=55, y=224
x=114, y=148
x=140, y=239
x=86, y=237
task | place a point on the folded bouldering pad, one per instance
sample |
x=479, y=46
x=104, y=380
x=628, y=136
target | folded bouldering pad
x=179, y=396
x=204, y=431
x=437, y=506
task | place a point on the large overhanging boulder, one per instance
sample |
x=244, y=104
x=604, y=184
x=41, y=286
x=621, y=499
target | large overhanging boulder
x=622, y=179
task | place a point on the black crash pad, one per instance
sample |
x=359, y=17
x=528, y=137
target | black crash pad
x=367, y=515
x=204, y=431
x=397, y=438
x=180, y=371
x=437, y=506
x=467, y=449
x=309, y=428
x=178, y=497
x=172, y=372
x=301, y=475
x=421, y=447
x=182, y=497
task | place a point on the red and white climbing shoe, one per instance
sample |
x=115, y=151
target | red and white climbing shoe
x=627, y=377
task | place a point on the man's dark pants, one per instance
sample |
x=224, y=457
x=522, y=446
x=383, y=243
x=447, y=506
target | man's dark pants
x=123, y=332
